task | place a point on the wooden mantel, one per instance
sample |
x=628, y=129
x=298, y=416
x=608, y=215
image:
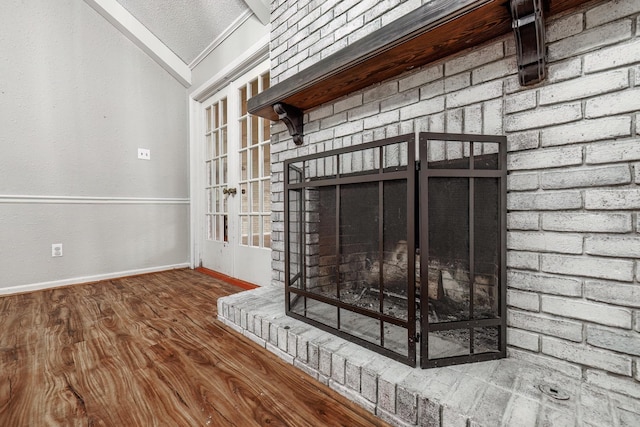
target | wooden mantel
x=435, y=30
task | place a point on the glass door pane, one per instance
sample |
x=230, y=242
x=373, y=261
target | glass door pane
x=255, y=169
x=216, y=171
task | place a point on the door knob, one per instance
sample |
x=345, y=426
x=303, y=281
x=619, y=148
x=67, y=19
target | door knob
x=231, y=191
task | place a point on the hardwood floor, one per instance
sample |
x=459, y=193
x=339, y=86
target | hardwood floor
x=146, y=351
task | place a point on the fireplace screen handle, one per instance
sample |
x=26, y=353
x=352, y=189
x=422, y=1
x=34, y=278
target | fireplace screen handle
x=232, y=191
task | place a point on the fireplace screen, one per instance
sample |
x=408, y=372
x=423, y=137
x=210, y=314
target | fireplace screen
x=356, y=220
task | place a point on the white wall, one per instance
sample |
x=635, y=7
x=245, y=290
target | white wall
x=77, y=99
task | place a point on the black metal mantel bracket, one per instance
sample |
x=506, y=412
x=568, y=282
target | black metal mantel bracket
x=292, y=117
x=528, y=26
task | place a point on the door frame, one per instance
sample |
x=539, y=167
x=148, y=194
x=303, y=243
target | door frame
x=251, y=58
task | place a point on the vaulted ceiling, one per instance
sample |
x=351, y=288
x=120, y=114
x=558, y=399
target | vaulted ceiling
x=187, y=27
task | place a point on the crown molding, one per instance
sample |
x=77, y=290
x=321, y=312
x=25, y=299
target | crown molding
x=250, y=58
x=260, y=9
x=221, y=38
x=140, y=35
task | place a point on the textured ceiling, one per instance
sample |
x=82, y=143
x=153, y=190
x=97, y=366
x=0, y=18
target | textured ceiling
x=186, y=27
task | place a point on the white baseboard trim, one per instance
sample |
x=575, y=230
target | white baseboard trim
x=87, y=279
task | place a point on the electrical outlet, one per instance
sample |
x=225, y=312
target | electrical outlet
x=144, y=154
x=56, y=249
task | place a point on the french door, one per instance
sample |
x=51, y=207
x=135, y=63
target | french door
x=236, y=191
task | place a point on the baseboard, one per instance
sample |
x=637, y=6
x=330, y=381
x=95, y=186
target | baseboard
x=231, y=280
x=87, y=279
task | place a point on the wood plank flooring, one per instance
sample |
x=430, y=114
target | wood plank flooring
x=147, y=351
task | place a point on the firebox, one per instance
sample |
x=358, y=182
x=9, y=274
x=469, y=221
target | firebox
x=399, y=252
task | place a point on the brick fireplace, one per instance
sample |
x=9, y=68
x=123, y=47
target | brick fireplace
x=572, y=222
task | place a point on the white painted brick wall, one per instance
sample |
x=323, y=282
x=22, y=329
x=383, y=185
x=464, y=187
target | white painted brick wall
x=493, y=113
x=501, y=68
x=521, y=101
x=381, y=91
x=587, y=222
x=601, y=268
x=545, y=324
x=523, y=221
x=529, y=301
x=545, y=242
x=584, y=87
x=543, y=117
x=523, y=260
x=545, y=158
x=485, y=55
x=583, y=310
x=348, y=103
x=586, y=355
x=612, y=57
x=432, y=89
x=614, y=246
x=613, y=151
x=545, y=283
x=523, y=339
x=475, y=94
x=564, y=70
x=615, y=103
x=549, y=200
x=587, y=131
x=473, y=119
x=523, y=141
x=381, y=119
x=523, y=181
x=592, y=39
x=574, y=169
x=457, y=82
x=614, y=339
x=586, y=177
x=620, y=294
x=612, y=199
x=570, y=369
x=421, y=77
x=422, y=109
x=616, y=384
x=565, y=27
x=363, y=111
x=604, y=13
x=394, y=102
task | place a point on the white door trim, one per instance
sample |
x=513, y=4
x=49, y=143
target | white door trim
x=243, y=63
x=251, y=58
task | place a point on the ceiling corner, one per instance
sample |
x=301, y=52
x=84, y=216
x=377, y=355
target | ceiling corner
x=260, y=9
x=135, y=31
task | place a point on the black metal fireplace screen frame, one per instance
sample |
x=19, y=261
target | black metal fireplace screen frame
x=478, y=167
x=301, y=188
